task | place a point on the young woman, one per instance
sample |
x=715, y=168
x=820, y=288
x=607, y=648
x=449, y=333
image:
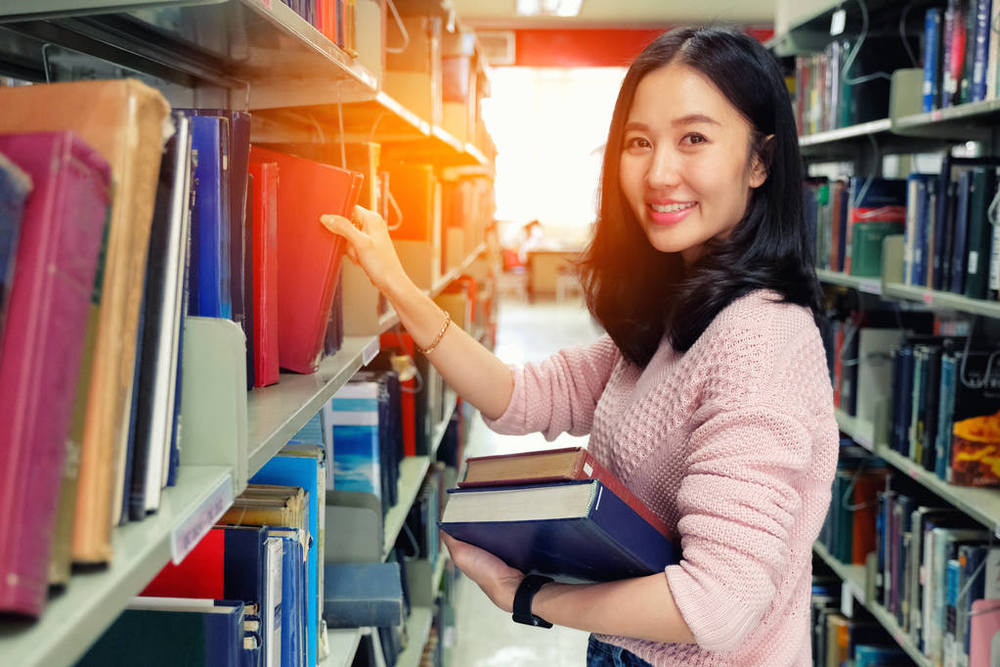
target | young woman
x=709, y=396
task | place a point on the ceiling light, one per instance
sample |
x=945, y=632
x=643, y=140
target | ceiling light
x=548, y=7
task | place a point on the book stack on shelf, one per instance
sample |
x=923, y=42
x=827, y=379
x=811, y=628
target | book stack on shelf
x=193, y=340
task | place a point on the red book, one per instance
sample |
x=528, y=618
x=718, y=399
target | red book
x=40, y=355
x=264, y=205
x=552, y=465
x=403, y=344
x=309, y=255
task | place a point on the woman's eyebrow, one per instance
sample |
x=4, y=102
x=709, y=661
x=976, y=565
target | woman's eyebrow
x=690, y=119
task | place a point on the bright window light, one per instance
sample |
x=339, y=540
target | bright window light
x=548, y=7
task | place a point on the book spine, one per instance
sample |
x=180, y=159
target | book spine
x=982, y=51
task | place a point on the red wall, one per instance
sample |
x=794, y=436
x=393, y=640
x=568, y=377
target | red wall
x=590, y=47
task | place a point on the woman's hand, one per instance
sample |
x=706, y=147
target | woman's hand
x=369, y=246
x=497, y=579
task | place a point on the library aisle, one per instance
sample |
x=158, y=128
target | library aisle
x=485, y=636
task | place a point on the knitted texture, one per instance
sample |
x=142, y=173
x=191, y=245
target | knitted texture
x=734, y=445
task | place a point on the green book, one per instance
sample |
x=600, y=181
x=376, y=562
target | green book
x=866, y=246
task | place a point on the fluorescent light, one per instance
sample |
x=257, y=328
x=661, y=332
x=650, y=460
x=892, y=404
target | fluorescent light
x=548, y=7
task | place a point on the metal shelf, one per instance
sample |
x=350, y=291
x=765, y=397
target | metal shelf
x=861, y=432
x=867, y=285
x=343, y=645
x=76, y=617
x=277, y=413
x=942, y=300
x=845, y=133
x=418, y=629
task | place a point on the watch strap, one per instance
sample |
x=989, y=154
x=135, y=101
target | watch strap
x=523, y=597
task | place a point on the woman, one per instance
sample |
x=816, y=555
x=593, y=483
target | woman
x=709, y=396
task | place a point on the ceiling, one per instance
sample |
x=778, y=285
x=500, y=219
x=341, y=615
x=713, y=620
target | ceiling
x=621, y=13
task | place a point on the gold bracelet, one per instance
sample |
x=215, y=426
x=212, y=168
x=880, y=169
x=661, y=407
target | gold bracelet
x=444, y=327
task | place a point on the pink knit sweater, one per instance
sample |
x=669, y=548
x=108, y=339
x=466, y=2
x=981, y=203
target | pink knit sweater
x=734, y=445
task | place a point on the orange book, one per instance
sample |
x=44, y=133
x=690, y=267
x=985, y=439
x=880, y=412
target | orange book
x=124, y=121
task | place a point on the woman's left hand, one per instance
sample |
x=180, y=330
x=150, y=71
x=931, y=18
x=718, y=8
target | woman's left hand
x=497, y=579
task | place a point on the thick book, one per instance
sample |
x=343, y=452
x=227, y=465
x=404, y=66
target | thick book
x=168, y=631
x=308, y=254
x=14, y=188
x=980, y=233
x=162, y=322
x=577, y=530
x=358, y=595
x=264, y=201
x=63, y=222
x=552, y=465
x=124, y=121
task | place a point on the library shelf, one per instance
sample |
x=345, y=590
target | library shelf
x=418, y=629
x=853, y=577
x=841, y=134
x=74, y=618
x=343, y=645
x=869, y=285
x=981, y=504
x=276, y=413
x=942, y=300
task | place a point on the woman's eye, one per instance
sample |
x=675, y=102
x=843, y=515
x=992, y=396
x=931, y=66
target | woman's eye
x=637, y=142
x=694, y=138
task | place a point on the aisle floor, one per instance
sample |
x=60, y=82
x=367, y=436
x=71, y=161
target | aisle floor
x=486, y=636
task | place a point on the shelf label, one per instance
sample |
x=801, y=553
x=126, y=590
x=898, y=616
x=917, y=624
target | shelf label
x=838, y=22
x=268, y=4
x=928, y=298
x=847, y=599
x=370, y=351
x=871, y=286
x=198, y=523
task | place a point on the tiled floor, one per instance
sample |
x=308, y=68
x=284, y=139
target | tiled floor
x=486, y=636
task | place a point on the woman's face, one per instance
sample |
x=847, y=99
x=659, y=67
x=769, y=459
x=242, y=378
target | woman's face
x=686, y=168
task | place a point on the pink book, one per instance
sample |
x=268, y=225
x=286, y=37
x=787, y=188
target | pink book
x=984, y=634
x=50, y=298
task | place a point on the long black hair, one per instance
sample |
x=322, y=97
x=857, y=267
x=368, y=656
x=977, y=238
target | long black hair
x=638, y=293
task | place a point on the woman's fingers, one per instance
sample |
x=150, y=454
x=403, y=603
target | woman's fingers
x=338, y=224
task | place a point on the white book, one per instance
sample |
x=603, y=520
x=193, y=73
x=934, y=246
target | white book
x=272, y=601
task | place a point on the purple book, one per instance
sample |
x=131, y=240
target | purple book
x=61, y=233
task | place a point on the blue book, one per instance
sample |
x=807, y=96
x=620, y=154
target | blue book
x=916, y=194
x=304, y=472
x=356, y=455
x=210, y=229
x=293, y=599
x=868, y=655
x=932, y=59
x=577, y=530
x=946, y=410
x=15, y=185
x=166, y=632
x=359, y=595
x=960, y=233
x=981, y=49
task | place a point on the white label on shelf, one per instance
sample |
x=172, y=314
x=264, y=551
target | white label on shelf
x=838, y=22
x=370, y=351
x=267, y=4
x=198, y=523
x=847, y=599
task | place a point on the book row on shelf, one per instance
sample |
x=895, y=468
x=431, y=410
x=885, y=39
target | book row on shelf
x=951, y=47
x=138, y=339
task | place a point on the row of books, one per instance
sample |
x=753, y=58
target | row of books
x=838, y=640
x=336, y=19
x=960, y=54
x=848, y=219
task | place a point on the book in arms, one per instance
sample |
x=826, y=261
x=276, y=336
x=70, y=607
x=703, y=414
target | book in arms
x=124, y=121
x=308, y=254
x=577, y=526
x=40, y=355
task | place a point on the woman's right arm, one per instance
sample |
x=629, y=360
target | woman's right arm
x=470, y=369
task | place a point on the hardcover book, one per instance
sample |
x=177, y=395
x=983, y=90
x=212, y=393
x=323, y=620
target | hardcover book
x=41, y=350
x=575, y=530
x=14, y=188
x=264, y=200
x=124, y=121
x=363, y=595
x=308, y=254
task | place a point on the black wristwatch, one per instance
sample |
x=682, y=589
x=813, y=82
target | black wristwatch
x=522, y=601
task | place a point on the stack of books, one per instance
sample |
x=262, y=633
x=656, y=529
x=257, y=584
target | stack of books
x=558, y=512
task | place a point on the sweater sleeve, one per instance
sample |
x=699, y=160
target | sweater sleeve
x=559, y=394
x=739, y=501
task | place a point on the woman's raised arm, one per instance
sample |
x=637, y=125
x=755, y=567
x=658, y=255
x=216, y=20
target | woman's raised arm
x=470, y=369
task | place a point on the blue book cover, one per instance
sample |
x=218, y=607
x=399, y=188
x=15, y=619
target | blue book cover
x=356, y=455
x=210, y=289
x=577, y=530
x=960, y=232
x=293, y=599
x=932, y=59
x=361, y=595
x=15, y=185
x=946, y=408
x=165, y=632
x=302, y=472
x=981, y=49
x=869, y=655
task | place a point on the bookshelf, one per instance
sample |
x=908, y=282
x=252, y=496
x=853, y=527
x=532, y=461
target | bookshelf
x=418, y=629
x=867, y=285
x=261, y=56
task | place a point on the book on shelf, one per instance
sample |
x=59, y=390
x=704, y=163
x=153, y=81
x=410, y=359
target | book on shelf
x=42, y=345
x=162, y=631
x=980, y=233
x=363, y=595
x=156, y=416
x=578, y=530
x=15, y=185
x=124, y=121
x=984, y=649
x=264, y=202
x=308, y=254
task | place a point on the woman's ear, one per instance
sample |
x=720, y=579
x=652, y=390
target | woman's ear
x=761, y=161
